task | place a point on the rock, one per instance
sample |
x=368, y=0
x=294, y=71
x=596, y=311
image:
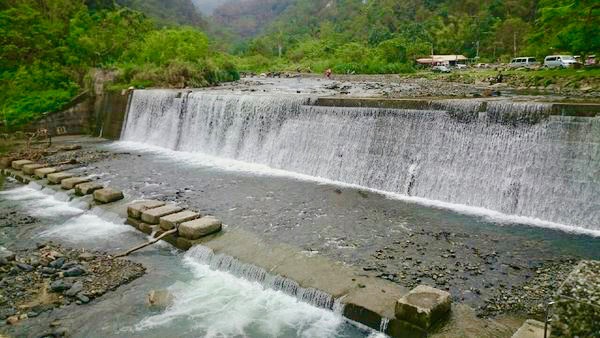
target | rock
x=5, y=162
x=83, y=298
x=135, y=210
x=200, y=227
x=86, y=256
x=59, y=286
x=57, y=263
x=530, y=329
x=12, y=320
x=43, y=172
x=74, y=290
x=25, y=267
x=70, y=147
x=70, y=183
x=159, y=299
x=7, y=254
x=74, y=271
x=423, y=306
x=87, y=188
x=18, y=164
x=107, y=195
x=7, y=312
x=171, y=221
x=28, y=169
x=56, y=178
x=47, y=271
x=152, y=216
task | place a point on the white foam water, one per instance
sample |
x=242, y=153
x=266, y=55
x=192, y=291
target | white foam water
x=513, y=159
x=43, y=202
x=218, y=304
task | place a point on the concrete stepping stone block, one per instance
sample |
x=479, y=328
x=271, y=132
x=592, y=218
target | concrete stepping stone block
x=70, y=183
x=5, y=162
x=107, y=195
x=29, y=169
x=87, y=188
x=199, y=227
x=530, y=329
x=423, y=306
x=171, y=221
x=43, y=172
x=18, y=164
x=152, y=216
x=70, y=147
x=135, y=210
x=56, y=178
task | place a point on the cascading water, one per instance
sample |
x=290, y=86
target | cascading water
x=544, y=168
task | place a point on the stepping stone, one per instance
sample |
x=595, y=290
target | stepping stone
x=87, y=188
x=70, y=147
x=423, y=306
x=135, y=210
x=56, y=178
x=199, y=227
x=17, y=165
x=43, y=172
x=5, y=162
x=107, y=195
x=531, y=329
x=171, y=221
x=29, y=169
x=70, y=183
x=152, y=216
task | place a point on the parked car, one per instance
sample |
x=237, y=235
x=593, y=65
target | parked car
x=523, y=62
x=440, y=69
x=559, y=61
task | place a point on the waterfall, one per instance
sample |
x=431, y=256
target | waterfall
x=511, y=158
x=252, y=273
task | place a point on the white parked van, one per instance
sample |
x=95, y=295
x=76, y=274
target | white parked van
x=523, y=62
x=559, y=61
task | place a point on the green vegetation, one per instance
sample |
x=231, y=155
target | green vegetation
x=48, y=47
x=384, y=36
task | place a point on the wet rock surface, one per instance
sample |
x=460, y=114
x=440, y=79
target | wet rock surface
x=50, y=276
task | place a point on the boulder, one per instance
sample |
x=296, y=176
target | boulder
x=70, y=183
x=152, y=216
x=159, y=299
x=171, y=221
x=107, y=195
x=135, y=210
x=83, y=189
x=29, y=169
x=56, y=178
x=199, y=227
x=423, y=306
x=43, y=172
x=18, y=164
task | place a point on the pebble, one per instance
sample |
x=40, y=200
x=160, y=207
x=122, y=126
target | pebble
x=59, y=285
x=74, y=271
x=25, y=267
x=75, y=289
x=57, y=263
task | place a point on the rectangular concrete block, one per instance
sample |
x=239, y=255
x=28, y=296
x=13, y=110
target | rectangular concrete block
x=70, y=183
x=29, y=169
x=530, y=329
x=107, y=195
x=423, y=306
x=18, y=164
x=199, y=227
x=5, y=162
x=135, y=210
x=43, y=172
x=152, y=216
x=87, y=188
x=56, y=178
x=168, y=222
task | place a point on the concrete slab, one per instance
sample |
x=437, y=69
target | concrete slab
x=29, y=169
x=70, y=183
x=107, y=195
x=43, y=172
x=87, y=188
x=530, y=329
x=56, y=178
x=169, y=222
x=5, y=162
x=18, y=164
x=135, y=210
x=152, y=216
x=199, y=227
x=423, y=306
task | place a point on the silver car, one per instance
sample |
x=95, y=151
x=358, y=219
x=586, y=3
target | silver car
x=559, y=61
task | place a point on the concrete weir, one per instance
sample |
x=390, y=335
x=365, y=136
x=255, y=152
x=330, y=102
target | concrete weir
x=318, y=280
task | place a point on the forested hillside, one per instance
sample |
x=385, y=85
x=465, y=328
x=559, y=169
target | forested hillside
x=167, y=11
x=48, y=47
x=383, y=35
